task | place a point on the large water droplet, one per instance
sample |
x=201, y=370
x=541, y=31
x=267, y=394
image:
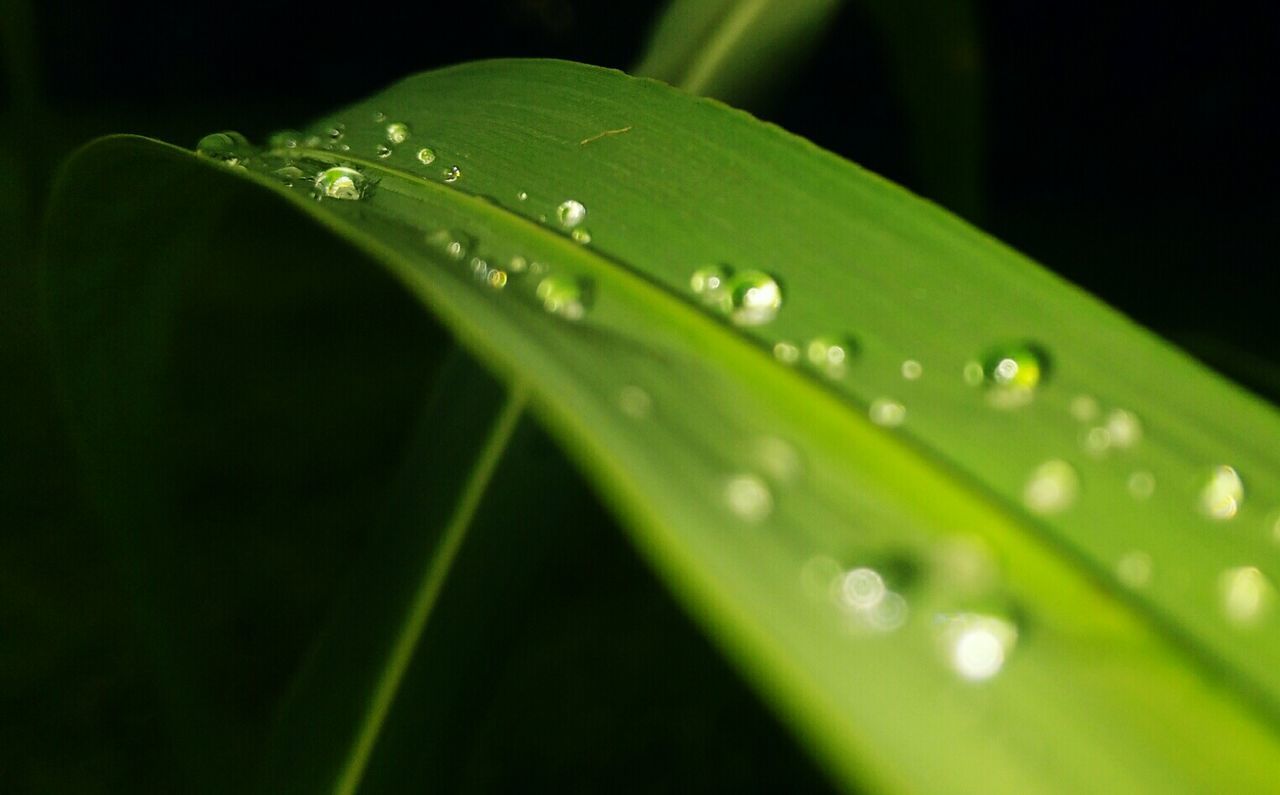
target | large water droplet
x=748, y=497
x=397, y=132
x=564, y=296
x=830, y=355
x=340, y=182
x=755, y=298
x=887, y=412
x=227, y=146
x=426, y=156
x=1247, y=594
x=977, y=645
x=1052, y=487
x=1013, y=372
x=571, y=213
x=1222, y=493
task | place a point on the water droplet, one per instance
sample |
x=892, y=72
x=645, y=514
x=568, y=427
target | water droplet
x=227, y=146
x=340, y=182
x=1013, y=372
x=1134, y=569
x=1247, y=595
x=581, y=235
x=635, y=402
x=382, y=151
x=912, y=370
x=379, y=117
x=455, y=245
x=862, y=588
x=571, y=213
x=973, y=373
x=887, y=412
x=288, y=175
x=1124, y=427
x=777, y=458
x=830, y=355
x=1142, y=484
x=711, y=284
x=1222, y=493
x=755, y=298
x=1096, y=441
x=522, y=196
x=397, y=132
x=518, y=264
x=786, y=352
x=426, y=156
x=563, y=296
x=1084, y=408
x=336, y=132
x=977, y=645
x=452, y=174
x=748, y=497
x=1052, y=487
x=864, y=596
x=284, y=139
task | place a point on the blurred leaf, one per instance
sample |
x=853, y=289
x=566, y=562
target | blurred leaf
x=734, y=50
x=1030, y=637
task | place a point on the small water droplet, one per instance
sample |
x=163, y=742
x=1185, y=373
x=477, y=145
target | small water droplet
x=518, y=264
x=497, y=278
x=1084, y=408
x=397, y=132
x=1124, y=428
x=288, y=175
x=777, y=458
x=635, y=402
x=522, y=196
x=340, y=182
x=1096, y=441
x=452, y=174
x=581, y=235
x=1142, y=484
x=382, y=151
x=862, y=588
x=1222, y=493
x=1052, y=487
x=786, y=352
x=830, y=355
x=426, y=156
x=977, y=645
x=336, y=132
x=227, y=146
x=755, y=298
x=563, y=296
x=887, y=412
x=973, y=373
x=1247, y=595
x=1134, y=569
x=455, y=245
x=748, y=497
x=711, y=284
x=379, y=117
x=571, y=213
x=912, y=370
x=284, y=139
x=1013, y=372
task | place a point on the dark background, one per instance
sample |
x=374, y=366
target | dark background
x=1130, y=147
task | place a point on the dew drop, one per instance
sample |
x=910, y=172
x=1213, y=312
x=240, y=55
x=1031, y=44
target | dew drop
x=379, y=117
x=1013, y=372
x=912, y=370
x=570, y=213
x=563, y=296
x=1246, y=593
x=862, y=588
x=748, y=497
x=1052, y=487
x=786, y=352
x=382, y=151
x=518, y=264
x=336, y=132
x=887, y=412
x=340, y=182
x=1124, y=428
x=397, y=132
x=455, y=245
x=754, y=298
x=581, y=235
x=226, y=146
x=973, y=373
x=452, y=174
x=635, y=402
x=1222, y=493
x=284, y=139
x=1084, y=408
x=426, y=156
x=1134, y=569
x=1142, y=484
x=522, y=196
x=777, y=458
x=288, y=175
x=977, y=645
x=711, y=284
x=830, y=355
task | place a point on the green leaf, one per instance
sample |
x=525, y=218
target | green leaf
x=1121, y=638
x=733, y=50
